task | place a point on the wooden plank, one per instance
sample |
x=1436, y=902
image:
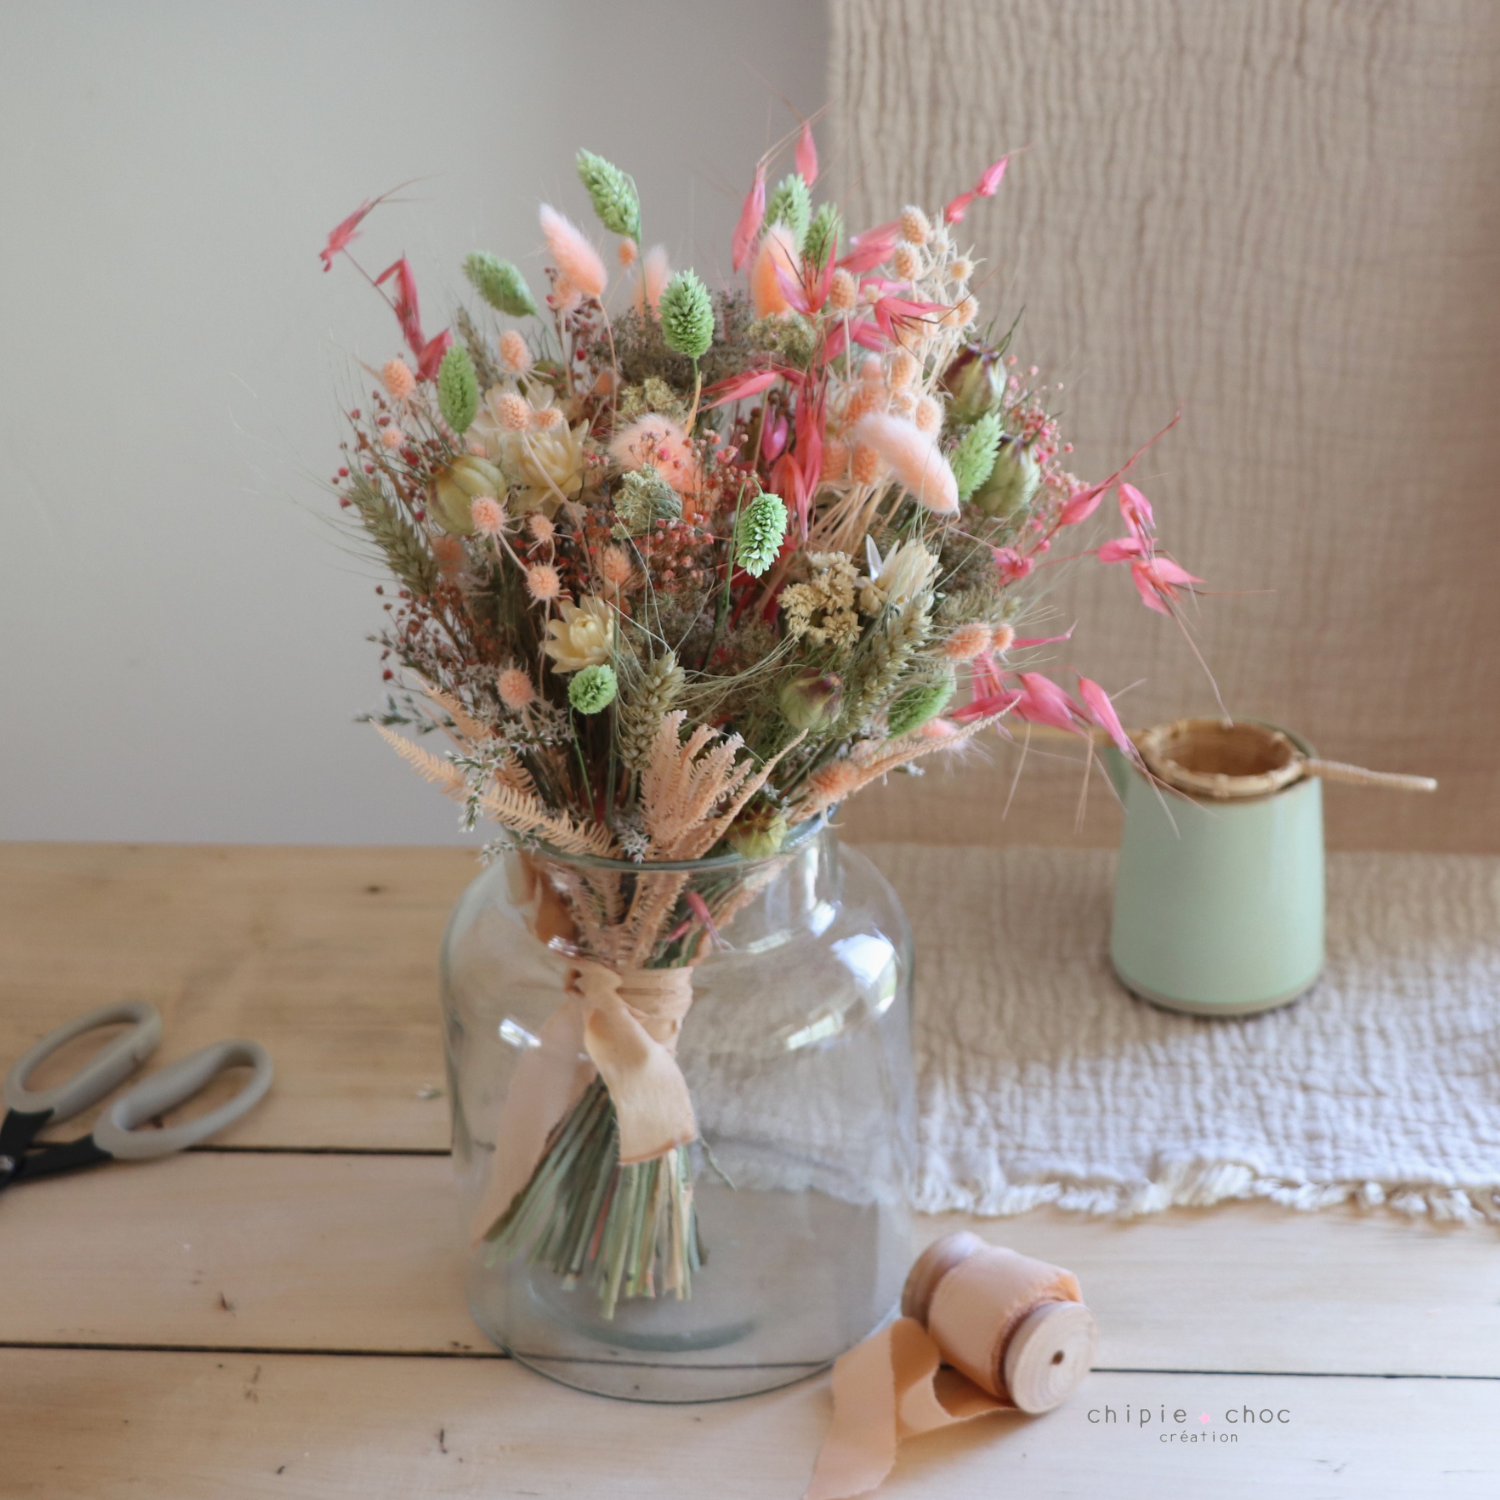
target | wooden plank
x=157, y=1426
x=360, y=1252
x=328, y=956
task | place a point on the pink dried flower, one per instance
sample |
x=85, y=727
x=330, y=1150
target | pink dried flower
x=914, y=457
x=1003, y=639
x=751, y=213
x=398, y=378
x=904, y=369
x=514, y=354
x=515, y=688
x=904, y=403
x=542, y=582
x=545, y=417
x=961, y=269
x=1102, y=712
x=392, y=437
x=487, y=514
x=968, y=641
x=843, y=291
x=807, y=155
x=915, y=227
x=906, y=263
x=540, y=527
x=938, y=729
x=578, y=261
x=871, y=370
x=928, y=415
x=626, y=252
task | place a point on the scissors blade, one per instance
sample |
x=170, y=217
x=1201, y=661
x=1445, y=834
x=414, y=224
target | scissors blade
x=18, y=1130
x=50, y=1160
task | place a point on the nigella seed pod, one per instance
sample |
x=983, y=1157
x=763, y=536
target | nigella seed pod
x=1013, y=482
x=758, y=832
x=812, y=700
x=975, y=382
x=462, y=482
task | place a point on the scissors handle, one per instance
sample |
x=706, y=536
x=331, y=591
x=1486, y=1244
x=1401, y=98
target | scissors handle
x=116, y=1133
x=113, y=1061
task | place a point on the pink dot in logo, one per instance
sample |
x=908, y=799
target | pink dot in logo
x=1204, y=1417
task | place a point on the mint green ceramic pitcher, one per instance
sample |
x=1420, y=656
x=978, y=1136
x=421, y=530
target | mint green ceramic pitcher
x=1218, y=904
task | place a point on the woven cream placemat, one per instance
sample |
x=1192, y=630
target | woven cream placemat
x=1042, y=1081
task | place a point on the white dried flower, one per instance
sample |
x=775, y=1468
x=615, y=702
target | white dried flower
x=583, y=637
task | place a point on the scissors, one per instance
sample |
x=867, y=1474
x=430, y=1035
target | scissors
x=115, y=1136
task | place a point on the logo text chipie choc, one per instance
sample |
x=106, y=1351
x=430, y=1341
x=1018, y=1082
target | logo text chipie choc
x=1182, y=1426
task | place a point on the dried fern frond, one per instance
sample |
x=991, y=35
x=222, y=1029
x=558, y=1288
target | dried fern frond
x=692, y=791
x=429, y=767
x=519, y=811
x=526, y=815
x=471, y=729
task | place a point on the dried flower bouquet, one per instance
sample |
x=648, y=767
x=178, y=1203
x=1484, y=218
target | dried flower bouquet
x=679, y=570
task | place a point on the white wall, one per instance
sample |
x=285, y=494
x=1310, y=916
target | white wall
x=183, y=628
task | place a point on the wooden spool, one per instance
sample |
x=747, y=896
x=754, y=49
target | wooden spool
x=1047, y=1354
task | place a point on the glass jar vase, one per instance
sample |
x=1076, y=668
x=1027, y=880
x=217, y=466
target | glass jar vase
x=772, y=1233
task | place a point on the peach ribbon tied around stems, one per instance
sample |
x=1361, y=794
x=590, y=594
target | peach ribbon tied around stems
x=978, y=1324
x=622, y=1025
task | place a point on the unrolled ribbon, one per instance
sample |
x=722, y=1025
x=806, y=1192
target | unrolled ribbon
x=624, y=1026
x=983, y=1329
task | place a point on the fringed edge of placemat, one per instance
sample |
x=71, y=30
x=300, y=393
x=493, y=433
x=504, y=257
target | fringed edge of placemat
x=1204, y=1184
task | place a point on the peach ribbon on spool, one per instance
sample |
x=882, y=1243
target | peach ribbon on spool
x=622, y=1025
x=983, y=1330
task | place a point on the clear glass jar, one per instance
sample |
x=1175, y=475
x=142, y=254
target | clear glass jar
x=796, y=1052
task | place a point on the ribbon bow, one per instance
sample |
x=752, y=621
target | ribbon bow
x=622, y=1025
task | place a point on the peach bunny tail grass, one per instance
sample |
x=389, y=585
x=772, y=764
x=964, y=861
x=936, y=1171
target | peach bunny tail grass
x=777, y=251
x=514, y=354
x=914, y=458
x=656, y=272
x=581, y=264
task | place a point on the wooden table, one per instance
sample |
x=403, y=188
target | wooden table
x=281, y=1315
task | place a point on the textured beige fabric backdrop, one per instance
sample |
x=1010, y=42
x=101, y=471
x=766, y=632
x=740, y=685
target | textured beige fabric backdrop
x=1285, y=216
